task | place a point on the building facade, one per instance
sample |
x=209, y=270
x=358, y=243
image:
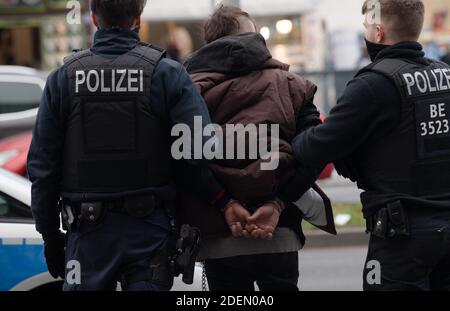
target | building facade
x=40, y=33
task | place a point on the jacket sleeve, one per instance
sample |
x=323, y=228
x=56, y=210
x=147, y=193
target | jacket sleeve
x=186, y=107
x=309, y=115
x=305, y=176
x=360, y=116
x=44, y=158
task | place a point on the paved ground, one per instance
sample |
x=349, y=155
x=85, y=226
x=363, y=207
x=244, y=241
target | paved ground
x=321, y=269
x=332, y=269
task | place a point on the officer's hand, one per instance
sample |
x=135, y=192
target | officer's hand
x=263, y=222
x=54, y=251
x=236, y=216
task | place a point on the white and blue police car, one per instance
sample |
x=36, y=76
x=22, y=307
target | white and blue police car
x=22, y=262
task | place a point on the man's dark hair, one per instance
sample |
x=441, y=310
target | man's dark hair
x=403, y=18
x=119, y=13
x=224, y=22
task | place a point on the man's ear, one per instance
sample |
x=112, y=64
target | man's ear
x=380, y=34
x=94, y=20
x=137, y=22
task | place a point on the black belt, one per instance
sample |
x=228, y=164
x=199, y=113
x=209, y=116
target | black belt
x=139, y=206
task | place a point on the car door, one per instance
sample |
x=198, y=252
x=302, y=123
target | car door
x=21, y=248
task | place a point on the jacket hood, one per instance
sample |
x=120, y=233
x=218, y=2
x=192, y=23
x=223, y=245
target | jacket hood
x=231, y=55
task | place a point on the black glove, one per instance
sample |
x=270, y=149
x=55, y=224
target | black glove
x=54, y=251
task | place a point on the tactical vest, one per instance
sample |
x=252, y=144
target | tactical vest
x=114, y=141
x=414, y=159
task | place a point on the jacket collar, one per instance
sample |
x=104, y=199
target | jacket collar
x=410, y=50
x=114, y=41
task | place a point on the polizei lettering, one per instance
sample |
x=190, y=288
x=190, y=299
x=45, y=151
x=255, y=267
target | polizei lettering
x=109, y=81
x=427, y=81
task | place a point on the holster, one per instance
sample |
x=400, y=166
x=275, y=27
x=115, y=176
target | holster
x=389, y=222
x=176, y=257
x=69, y=218
x=155, y=269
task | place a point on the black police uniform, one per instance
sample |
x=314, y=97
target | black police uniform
x=102, y=143
x=390, y=133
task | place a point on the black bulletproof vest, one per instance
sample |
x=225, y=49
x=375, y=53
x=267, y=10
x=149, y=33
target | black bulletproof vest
x=114, y=142
x=415, y=157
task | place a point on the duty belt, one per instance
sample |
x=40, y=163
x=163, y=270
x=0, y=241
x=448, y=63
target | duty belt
x=139, y=207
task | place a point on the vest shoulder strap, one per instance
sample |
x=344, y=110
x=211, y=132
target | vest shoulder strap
x=143, y=52
x=391, y=68
x=78, y=56
x=388, y=67
x=437, y=62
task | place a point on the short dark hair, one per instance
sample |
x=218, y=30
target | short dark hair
x=224, y=22
x=119, y=13
x=404, y=18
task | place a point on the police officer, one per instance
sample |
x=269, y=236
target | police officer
x=390, y=133
x=101, y=156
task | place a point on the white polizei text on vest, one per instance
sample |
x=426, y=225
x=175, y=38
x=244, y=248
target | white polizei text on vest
x=95, y=81
x=423, y=82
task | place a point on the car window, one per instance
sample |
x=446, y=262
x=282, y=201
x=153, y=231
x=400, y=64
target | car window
x=11, y=208
x=18, y=97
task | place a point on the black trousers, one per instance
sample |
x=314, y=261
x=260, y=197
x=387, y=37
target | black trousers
x=420, y=262
x=119, y=243
x=271, y=272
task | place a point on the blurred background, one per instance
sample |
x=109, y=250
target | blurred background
x=322, y=39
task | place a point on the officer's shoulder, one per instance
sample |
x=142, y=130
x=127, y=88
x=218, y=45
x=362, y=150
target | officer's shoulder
x=168, y=66
x=373, y=80
x=75, y=55
x=56, y=76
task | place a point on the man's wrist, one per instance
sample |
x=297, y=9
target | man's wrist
x=227, y=206
x=278, y=204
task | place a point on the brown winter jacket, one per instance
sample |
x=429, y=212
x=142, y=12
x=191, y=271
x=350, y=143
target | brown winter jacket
x=242, y=84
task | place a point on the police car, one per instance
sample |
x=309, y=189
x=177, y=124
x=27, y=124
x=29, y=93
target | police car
x=21, y=89
x=22, y=262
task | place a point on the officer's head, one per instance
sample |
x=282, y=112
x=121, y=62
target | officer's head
x=227, y=21
x=392, y=21
x=117, y=13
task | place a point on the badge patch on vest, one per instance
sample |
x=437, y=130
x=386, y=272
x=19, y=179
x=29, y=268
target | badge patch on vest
x=108, y=81
x=427, y=81
x=433, y=128
x=433, y=146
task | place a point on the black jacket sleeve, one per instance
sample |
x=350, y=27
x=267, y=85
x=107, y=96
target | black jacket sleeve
x=368, y=110
x=44, y=158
